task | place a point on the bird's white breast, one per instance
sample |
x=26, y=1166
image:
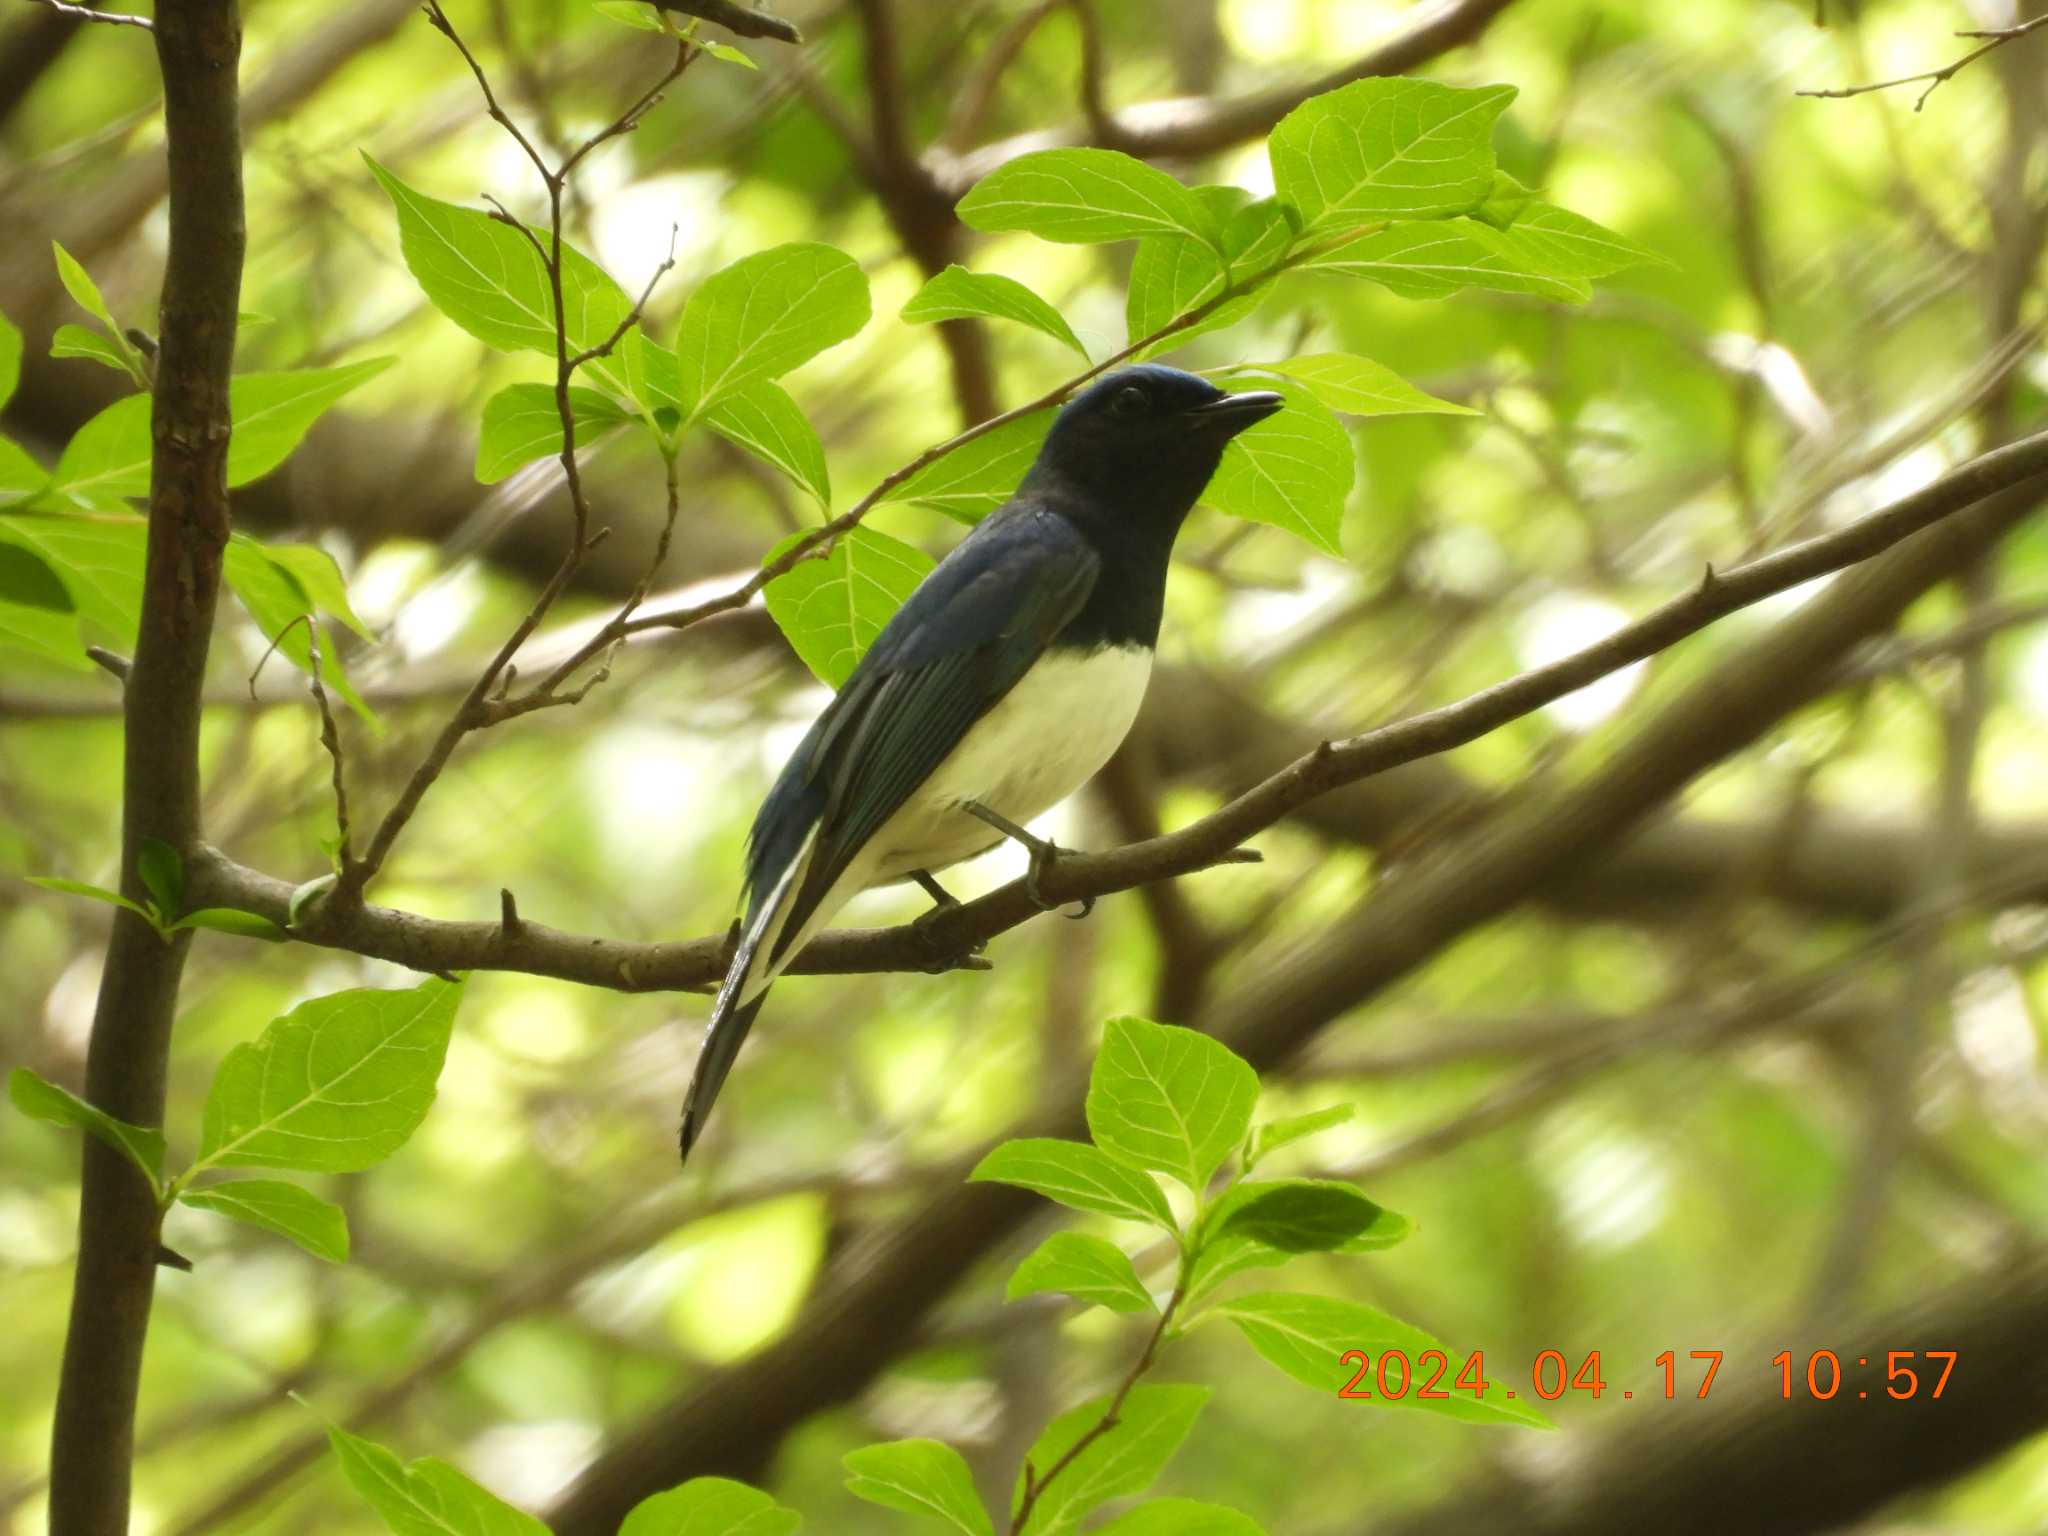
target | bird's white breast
x=1043, y=740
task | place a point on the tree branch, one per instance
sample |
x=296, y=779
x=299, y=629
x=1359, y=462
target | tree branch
x=198, y=48
x=430, y=945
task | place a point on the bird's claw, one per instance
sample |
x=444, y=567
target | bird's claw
x=1044, y=856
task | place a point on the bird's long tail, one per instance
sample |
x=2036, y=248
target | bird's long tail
x=722, y=1041
x=739, y=999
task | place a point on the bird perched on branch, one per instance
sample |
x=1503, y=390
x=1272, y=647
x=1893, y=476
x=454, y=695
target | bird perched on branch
x=998, y=689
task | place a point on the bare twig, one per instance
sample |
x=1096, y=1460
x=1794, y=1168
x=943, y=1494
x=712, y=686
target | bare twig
x=87, y=13
x=1992, y=38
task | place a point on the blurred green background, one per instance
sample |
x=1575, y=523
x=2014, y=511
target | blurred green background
x=1765, y=1070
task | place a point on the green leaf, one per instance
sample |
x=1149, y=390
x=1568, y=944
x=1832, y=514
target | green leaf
x=85, y=293
x=633, y=13
x=77, y=341
x=1085, y=197
x=1436, y=258
x=1077, y=1175
x=247, y=925
x=762, y=419
x=981, y=474
x=1298, y=1215
x=764, y=315
x=41, y=1099
x=1086, y=1268
x=1358, y=386
x=1275, y=1134
x=1170, y=277
x=27, y=581
x=1169, y=1099
x=10, y=358
x=278, y=603
x=316, y=1225
x=99, y=559
x=1150, y=1427
x=919, y=1477
x=315, y=572
x=334, y=1086
x=831, y=609
x=1307, y=1337
x=957, y=293
x=109, y=456
x=710, y=1506
x=489, y=278
x=50, y=636
x=1182, y=1517
x=1507, y=202
x=91, y=893
x=163, y=874
x=1349, y=1223
x=522, y=423
x=1293, y=470
x=1574, y=246
x=1387, y=148
x=425, y=1497
x=20, y=475
x=728, y=53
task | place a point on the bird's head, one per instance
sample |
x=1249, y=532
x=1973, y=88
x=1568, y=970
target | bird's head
x=1144, y=441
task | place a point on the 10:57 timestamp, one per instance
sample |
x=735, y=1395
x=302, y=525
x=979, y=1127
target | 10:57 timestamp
x=1391, y=1375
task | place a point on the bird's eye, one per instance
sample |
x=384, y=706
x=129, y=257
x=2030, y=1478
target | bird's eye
x=1130, y=401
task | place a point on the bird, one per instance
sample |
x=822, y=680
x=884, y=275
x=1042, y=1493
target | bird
x=1007, y=678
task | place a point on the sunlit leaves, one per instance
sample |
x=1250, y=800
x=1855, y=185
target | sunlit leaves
x=491, y=280
x=710, y=1506
x=1434, y=258
x=1358, y=386
x=279, y=602
x=761, y=418
x=108, y=458
x=1293, y=470
x=1275, y=1134
x=336, y=1085
x=1169, y=1099
x=43, y=1100
x=1387, y=149
x=1085, y=197
x=957, y=293
x=1078, y=1175
x=99, y=559
x=1085, y=1268
x=425, y=1497
x=316, y=1225
x=919, y=1477
x=76, y=341
x=1172, y=277
x=1150, y=1427
x=831, y=608
x=523, y=422
x=10, y=358
x=1307, y=1337
x=977, y=477
x=764, y=315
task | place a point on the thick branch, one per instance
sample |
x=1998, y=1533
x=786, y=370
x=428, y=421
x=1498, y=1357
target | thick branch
x=198, y=47
x=429, y=945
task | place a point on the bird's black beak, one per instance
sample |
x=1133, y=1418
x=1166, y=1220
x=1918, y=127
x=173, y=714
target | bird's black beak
x=1233, y=413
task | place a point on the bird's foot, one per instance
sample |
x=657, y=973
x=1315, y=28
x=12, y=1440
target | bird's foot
x=1044, y=854
x=944, y=957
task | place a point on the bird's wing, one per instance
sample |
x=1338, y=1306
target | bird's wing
x=963, y=639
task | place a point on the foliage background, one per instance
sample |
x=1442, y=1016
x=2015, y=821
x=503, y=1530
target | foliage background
x=1614, y=1126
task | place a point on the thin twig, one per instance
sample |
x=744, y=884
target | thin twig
x=1035, y=1483
x=1992, y=38
x=87, y=13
